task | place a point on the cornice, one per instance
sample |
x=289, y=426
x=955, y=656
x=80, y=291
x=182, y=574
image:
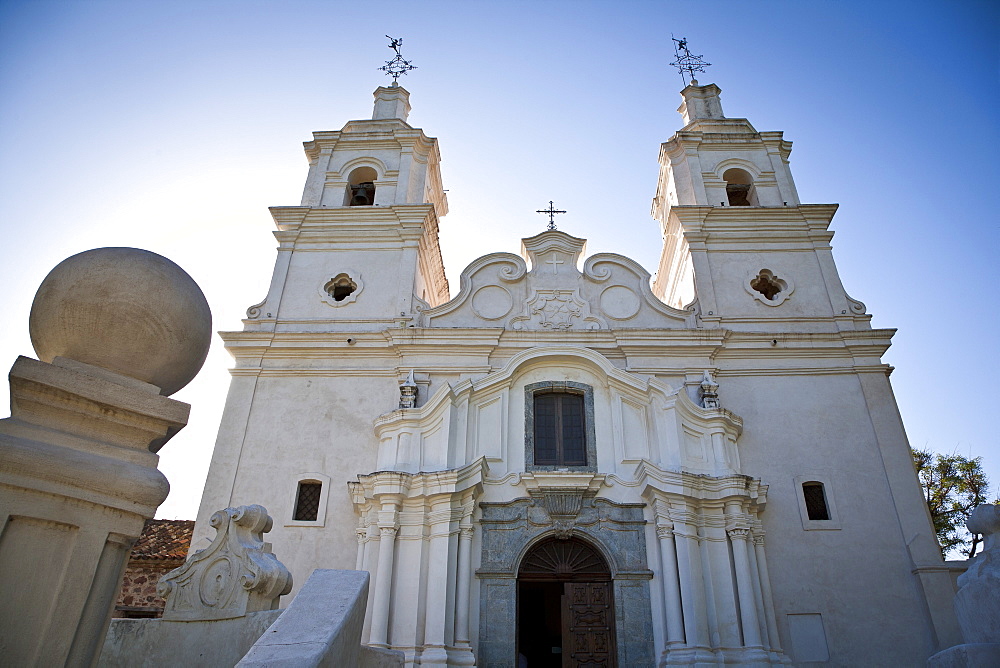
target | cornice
x=337, y=220
x=625, y=345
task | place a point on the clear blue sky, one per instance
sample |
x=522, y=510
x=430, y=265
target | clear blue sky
x=172, y=126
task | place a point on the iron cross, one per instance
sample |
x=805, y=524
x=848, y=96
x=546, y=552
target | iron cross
x=551, y=211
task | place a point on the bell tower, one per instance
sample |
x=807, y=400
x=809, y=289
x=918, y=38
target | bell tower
x=361, y=250
x=736, y=239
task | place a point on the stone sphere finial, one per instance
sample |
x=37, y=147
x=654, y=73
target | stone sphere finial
x=126, y=310
x=985, y=519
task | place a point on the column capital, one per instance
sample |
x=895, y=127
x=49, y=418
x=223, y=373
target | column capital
x=665, y=530
x=466, y=532
x=740, y=533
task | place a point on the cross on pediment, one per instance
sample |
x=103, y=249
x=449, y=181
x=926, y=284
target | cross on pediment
x=551, y=211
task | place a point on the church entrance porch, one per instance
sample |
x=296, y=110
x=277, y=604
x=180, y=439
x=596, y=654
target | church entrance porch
x=565, y=615
x=581, y=586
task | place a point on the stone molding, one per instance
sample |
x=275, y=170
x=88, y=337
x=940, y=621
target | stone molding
x=411, y=440
x=234, y=575
x=554, y=295
x=73, y=425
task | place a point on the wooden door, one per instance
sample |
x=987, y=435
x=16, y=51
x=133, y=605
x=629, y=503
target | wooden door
x=588, y=625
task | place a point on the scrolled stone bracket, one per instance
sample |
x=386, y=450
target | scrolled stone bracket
x=234, y=575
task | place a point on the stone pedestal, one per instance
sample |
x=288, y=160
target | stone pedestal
x=78, y=479
x=117, y=330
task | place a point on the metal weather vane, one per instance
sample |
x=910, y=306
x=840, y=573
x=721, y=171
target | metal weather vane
x=397, y=65
x=686, y=62
x=551, y=211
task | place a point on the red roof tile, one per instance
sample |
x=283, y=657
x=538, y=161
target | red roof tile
x=163, y=540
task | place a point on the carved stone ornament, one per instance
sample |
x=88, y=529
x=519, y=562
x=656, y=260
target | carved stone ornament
x=234, y=575
x=408, y=392
x=709, y=391
x=254, y=312
x=556, y=310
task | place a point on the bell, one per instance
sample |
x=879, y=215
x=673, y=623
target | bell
x=362, y=194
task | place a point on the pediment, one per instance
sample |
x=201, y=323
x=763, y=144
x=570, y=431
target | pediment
x=546, y=290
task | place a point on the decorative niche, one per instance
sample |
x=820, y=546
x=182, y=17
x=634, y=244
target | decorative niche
x=342, y=288
x=768, y=286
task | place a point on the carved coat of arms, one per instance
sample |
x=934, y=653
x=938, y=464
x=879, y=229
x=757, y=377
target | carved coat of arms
x=557, y=310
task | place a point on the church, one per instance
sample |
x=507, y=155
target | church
x=568, y=463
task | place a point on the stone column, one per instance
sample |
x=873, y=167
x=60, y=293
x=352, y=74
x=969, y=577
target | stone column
x=462, y=601
x=116, y=330
x=436, y=601
x=744, y=586
x=383, y=587
x=774, y=642
x=692, y=585
x=372, y=544
x=721, y=585
x=671, y=587
x=359, y=562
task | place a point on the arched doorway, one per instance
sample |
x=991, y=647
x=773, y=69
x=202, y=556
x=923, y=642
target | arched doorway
x=565, y=607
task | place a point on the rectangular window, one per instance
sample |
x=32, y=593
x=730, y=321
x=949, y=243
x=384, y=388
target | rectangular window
x=307, y=501
x=815, y=501
x=560, y=431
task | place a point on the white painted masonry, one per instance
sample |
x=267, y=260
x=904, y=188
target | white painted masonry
x=711, y=397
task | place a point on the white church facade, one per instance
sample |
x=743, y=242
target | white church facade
x=569, y=464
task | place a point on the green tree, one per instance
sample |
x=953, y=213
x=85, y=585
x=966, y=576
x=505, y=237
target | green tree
x=953, y=485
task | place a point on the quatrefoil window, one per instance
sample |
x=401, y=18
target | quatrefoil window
x=342, y=288
x=768, y=287
x=767, y=284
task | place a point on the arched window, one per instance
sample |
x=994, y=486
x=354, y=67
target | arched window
x=815, y=497
x=559, y=430
x=559, y=426
x=361, y=187
x=307, y=501
x=739, y=187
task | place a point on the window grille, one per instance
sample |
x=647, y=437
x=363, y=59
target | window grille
x=307, y=501
x=815, y=498
x=559, y=430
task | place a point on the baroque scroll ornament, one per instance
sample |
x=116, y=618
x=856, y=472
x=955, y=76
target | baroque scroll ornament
x=234, y=575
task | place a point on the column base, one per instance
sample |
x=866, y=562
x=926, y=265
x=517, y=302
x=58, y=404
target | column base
x=461, y=655
x=704, y=657
x=434, y=655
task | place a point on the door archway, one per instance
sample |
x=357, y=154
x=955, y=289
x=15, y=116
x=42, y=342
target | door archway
x=565, y=606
